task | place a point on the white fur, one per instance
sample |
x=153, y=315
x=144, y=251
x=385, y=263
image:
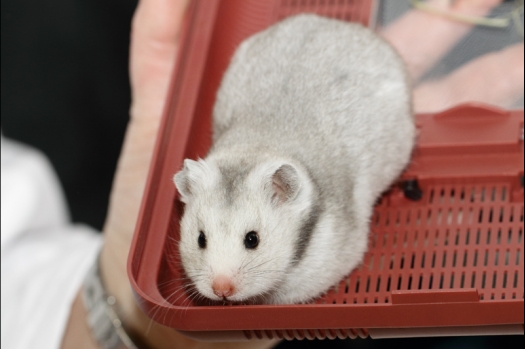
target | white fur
x=328, y=99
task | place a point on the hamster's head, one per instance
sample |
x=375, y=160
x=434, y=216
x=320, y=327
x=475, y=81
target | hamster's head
x=243, y=226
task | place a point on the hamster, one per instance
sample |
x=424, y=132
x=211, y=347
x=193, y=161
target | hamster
x=311, y=124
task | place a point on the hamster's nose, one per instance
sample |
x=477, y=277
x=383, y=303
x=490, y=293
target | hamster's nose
x=223, y=287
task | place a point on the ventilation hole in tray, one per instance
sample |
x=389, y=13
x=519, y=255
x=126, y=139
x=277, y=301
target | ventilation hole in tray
x=394, y=243
x=442, y=196
x=451, y=281
x=465, y=258
x=478, y=236
x=467, y=237
x=388, y=284
x=357, y=285
x=420, y=283
x=378, y=285
x=483, y=280
x=475, y=263
x=456, y=242
x=486, y=259
x=444, y=260
x=377, y=219
x=441, y=280
x=491, y=215
x=473, y=282
x=433, y=259
x=504, y=194
x=518, y=256
x=505, y=279
x=473, y=195
x=480, y=216
x=430, y=282
x=515, y=284
x=454, y=258
x=520, y=235
x=496, y=258
x=488, y=237
x=381, y=261
x=399, y=280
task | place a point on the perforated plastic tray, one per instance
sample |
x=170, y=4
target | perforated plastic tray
x=446, y=244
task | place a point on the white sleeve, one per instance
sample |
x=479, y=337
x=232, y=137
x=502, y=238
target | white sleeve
x=44, y=257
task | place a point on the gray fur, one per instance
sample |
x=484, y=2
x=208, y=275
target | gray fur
x=306, y=231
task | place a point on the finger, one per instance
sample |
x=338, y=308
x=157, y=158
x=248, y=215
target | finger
x=154, y=41
x=423, y=38
x=495, y=78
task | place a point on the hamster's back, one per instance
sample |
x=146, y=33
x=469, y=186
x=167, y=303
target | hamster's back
x=330, y=93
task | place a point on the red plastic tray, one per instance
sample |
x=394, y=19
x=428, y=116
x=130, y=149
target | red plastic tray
x=450, y=263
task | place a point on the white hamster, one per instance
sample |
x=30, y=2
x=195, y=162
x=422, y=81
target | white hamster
x=312, y=122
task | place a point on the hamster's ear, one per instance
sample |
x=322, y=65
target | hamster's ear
x=187, y=179
x=285, y=184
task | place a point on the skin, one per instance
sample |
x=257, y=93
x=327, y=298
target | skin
x=154, y=39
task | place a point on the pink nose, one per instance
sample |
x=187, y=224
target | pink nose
x=222, y=286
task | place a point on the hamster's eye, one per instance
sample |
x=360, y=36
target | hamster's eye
x=202, y=240
x=251, y=240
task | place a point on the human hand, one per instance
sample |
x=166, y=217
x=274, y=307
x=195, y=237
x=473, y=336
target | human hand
x=154, y=41
x=423, y=38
